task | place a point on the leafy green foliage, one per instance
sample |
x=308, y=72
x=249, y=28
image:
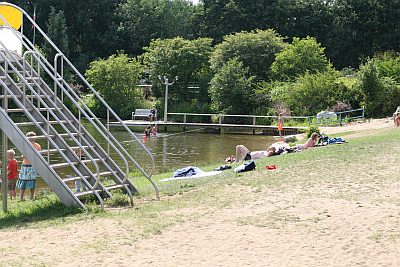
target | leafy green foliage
x=311, y=93
x=145, y=20
x=303, y=55
x=231, y=89
x=381, y=94
x=388, y=65
x=116, y=79
x=187, y=59
x=255, y=49
x=57, y=31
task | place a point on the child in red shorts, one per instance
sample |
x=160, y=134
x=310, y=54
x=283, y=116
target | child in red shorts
x=12, y=172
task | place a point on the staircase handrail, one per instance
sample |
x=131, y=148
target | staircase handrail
x=109, y=109
x=4, y=85
x=9, y=63
x=33, y=149
x=84, y=113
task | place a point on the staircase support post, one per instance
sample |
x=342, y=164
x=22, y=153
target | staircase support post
x=4, y=186
x=4, y=143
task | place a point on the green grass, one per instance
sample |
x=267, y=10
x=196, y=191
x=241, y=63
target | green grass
x=363, y=158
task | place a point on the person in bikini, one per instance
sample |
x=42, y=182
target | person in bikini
x=310, y=142
x=243, y=153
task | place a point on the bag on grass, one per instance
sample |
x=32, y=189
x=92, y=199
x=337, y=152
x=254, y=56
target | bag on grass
x=247, y=166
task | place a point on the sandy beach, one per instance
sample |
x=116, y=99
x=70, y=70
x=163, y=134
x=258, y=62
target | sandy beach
x=345, y=221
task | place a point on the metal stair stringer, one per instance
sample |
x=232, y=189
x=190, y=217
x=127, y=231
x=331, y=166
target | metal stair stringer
x=59, y=144
x=64, y=114
x=17, y=137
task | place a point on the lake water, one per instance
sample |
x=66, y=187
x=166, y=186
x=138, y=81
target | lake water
x=177, y=150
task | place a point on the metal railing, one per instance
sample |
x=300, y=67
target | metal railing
x=66, y=89
x=259, y=120
x=252, y=120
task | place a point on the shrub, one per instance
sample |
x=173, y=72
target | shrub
x=231, y=89
x=381, y=94
x=116, y=79
x=312, y=129
x=256, y=50
x=303, y=55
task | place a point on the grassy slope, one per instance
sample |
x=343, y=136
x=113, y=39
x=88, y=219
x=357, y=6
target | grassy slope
x=344, y=168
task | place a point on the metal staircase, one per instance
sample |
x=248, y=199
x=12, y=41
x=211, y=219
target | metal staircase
x=36, y=89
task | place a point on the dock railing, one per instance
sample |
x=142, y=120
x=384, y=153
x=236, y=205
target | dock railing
x=251, y=120
x=259, y=120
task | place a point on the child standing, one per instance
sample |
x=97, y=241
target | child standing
x=280, y=124
x=12, y=172
x=27, y=174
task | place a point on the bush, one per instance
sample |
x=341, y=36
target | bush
x=309, y=94
x=303, y=55
x=116, y=80
x=312, y=129
x=118, y=200
x=256, y=50
x=231, y=89
x=381, y=94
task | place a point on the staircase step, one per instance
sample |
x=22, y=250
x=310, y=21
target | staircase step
x=66, y=164
x=54, y=150
x=29, y=123
x=116, y=186
x=50, y=151
x=16, y=110
x=27, y=96
x=64, y=135
x=90, y=192
x=69, y=179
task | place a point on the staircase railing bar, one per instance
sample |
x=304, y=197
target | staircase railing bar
x=148, y=176
x=40, y=100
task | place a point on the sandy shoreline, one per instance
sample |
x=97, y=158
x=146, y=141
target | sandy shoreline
x=345, y=221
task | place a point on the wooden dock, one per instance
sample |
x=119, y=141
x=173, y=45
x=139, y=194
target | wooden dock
x=140, y=125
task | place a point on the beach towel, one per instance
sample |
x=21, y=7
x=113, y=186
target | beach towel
x=196, y=176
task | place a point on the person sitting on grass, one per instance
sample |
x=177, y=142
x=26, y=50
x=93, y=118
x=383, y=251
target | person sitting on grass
x=310, y=142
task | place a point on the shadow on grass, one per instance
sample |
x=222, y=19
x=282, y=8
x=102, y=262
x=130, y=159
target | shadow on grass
x=45, y=209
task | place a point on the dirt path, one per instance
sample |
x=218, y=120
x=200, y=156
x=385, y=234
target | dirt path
x=311, y=225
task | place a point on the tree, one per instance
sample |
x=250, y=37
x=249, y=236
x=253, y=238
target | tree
x=381, y=94
x=303, y=55
x=116, y=79
x=57, y=32
x=187, y=59
x=231, y=89
x=388, y=65
x=311, y=93
x=145, y=20
x=226, y=17
x=255, y=49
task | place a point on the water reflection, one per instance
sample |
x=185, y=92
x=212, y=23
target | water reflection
x=176, y=150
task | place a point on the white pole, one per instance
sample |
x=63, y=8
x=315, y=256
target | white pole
x=166, y=100
x=4, y=185
x=164, y=81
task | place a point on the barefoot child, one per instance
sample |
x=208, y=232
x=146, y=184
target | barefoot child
x=12, y=172
x=27, y=174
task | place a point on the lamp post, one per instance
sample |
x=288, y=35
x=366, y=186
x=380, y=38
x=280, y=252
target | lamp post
x=164, y=81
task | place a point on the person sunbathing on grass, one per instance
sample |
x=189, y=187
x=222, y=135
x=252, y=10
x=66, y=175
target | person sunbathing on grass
x=310, y=142
x=243, y=153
